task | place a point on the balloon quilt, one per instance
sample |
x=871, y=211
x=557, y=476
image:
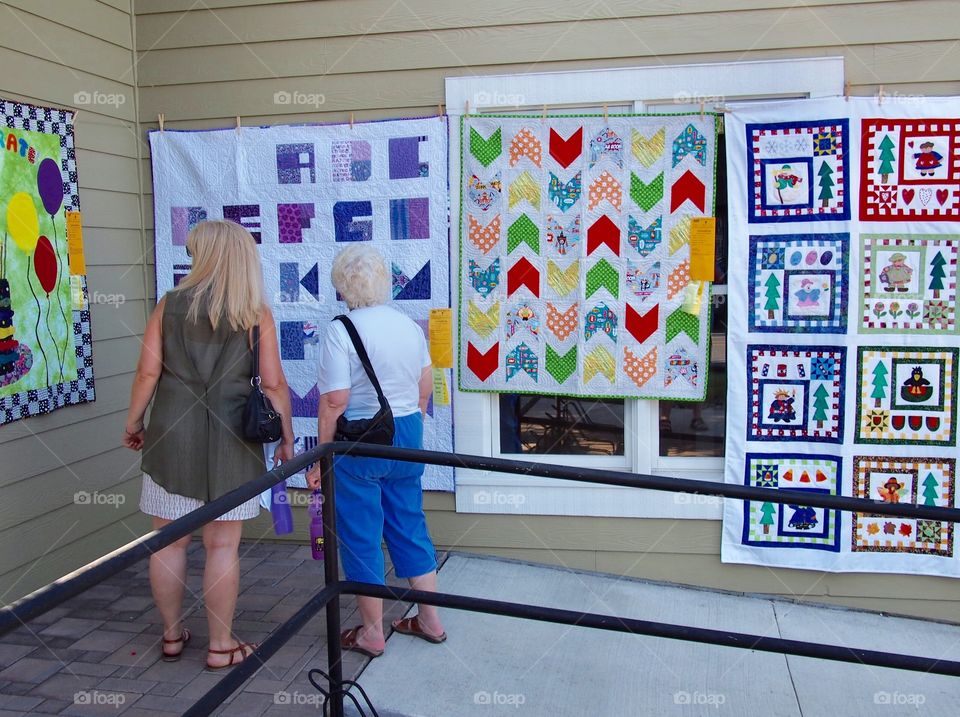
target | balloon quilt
x=304, y=192
x=575, y=254
x=46, y=358
x=843, y=342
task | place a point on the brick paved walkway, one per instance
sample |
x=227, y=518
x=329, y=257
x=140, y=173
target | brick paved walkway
x=98, y=654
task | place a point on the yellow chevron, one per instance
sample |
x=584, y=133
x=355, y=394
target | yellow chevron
x=599, y=361
x=648, y=151
x=526, y=188
x=563, y=281
x=680, y=235
x=483, y=322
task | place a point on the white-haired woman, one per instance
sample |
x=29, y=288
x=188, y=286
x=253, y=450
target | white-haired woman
x=196, y=366
x=378, y=499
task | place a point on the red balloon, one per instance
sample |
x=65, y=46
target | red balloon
x=45, y=264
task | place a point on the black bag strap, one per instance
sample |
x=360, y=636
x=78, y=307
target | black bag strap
x=255, y=367
x=364, y=358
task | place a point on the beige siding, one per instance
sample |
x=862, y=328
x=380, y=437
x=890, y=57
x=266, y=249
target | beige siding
x=51, y=50
x=202, y=67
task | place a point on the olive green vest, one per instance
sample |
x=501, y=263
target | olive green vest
x=193, y=445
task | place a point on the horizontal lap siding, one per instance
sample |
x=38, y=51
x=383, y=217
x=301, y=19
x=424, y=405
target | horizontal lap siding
x=378, y=59
x=50, y=51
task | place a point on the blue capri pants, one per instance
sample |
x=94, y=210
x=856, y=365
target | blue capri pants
x=379, y=499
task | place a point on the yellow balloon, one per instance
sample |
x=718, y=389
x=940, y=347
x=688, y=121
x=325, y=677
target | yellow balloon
x=22, y=222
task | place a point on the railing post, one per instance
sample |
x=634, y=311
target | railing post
x=331, y=575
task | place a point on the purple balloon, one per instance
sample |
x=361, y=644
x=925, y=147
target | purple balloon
x=50, y=186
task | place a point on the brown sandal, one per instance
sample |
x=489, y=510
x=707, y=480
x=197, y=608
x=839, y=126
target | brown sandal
x=348, y=641
x=240, y=648
x=411, y=626
x=168, y=657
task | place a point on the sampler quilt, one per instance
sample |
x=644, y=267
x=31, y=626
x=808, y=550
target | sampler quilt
x=843, y=344
x=575, y=254
x=46, y=350
x=304, y=192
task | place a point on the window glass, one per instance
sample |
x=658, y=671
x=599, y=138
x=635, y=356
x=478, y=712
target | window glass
x=699, y=429
x=561, y=425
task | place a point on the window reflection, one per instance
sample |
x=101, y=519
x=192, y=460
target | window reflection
x=560, y=425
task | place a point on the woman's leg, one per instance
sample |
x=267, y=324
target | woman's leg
x=221, y=583
x=408, y=539
x=427, y=615
x=168, y=577
x=359, y=533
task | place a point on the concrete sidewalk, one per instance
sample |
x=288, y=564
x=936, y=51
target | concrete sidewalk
x=98, y=654
x=493, y=665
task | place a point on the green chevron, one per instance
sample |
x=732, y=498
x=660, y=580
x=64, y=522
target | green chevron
x=646, y=195
x=485, y=150
x=523, y=231
x=602, y=274
x=680, y=322
x=561, y=367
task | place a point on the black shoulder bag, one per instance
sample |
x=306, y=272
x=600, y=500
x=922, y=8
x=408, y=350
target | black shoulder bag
x=260, y=422
x=378, y=429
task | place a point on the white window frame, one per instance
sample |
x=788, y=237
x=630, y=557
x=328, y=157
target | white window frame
x=476, y=415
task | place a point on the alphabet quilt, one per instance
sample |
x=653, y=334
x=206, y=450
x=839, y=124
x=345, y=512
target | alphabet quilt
x=575, y=254
x=304, y=192
x=843, y=345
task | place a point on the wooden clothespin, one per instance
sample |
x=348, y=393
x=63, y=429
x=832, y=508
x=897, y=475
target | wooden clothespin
x=160, y=121
x=238, y=124
x=440, y=110
x=846, y=91
x=605, y=114
x=880, y=96
x=702, y=104
x=351, y=120
x=466, y=107
x=544, y=117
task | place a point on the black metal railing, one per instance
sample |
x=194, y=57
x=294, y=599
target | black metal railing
x=328, y=597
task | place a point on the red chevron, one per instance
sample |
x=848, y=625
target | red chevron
x=483, y=365
x=565, y=151
x=642, y=327
x=523, y=273
x=687, y=187
x=603, y=232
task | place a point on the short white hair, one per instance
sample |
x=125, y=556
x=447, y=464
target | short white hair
x=359, y=274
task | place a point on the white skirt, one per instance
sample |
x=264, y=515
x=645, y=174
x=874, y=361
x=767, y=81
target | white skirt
x=156, y=501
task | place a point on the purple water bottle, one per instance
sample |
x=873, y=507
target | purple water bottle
x=316, y=525
x=280, y=509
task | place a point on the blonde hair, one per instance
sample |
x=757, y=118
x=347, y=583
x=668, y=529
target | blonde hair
x=359, y=274
x=226, y=276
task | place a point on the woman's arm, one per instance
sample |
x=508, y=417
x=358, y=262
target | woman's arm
x=149, y=368
x=426, y=388
x=332, y=406
x=274, y=383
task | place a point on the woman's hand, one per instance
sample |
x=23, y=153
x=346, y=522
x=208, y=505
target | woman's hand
x=283, y=453
x=313, y=477
x=133, y=436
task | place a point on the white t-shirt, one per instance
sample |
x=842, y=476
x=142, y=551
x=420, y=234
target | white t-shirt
x=397, y=350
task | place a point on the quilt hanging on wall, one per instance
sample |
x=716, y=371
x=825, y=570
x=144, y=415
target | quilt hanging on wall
x=843, y=342
x=575, y=254
x=46, y=357
x=304, y=192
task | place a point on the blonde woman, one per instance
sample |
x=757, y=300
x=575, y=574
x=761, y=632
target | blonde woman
x=377, y=498
x=196, y=366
